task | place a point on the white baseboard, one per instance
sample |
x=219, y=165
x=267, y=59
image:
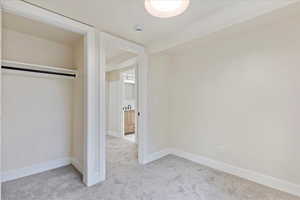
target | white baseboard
x=240, y=172
x=157, y=155
x=266, y=180
x=77, y=165
x=34, y=169
x=262, y=179
x=114, y=133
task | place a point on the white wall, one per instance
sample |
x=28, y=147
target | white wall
x=158, y=103
x=114, y=103
x=129, y=95
x=29, y=49
x=129, y=88
x=234, y=96
x=36, y=120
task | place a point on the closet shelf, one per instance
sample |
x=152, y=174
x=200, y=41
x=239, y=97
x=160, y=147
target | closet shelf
x=37, y=68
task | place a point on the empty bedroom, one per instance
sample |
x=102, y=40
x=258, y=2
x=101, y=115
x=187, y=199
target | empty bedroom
x=150, y=100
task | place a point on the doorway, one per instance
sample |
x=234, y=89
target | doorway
x=126, y=61
x=129, y=101
x=121, y=101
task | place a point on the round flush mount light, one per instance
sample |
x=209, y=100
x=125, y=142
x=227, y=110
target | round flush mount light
x=166, y=8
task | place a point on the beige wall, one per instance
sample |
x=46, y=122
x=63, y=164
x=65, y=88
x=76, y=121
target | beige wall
x=29, y=49
x=37, y=116
x=158, y=103
x=234, y=96
x=51, y=53
x=113, y=75
x=78, y=107
x=41, y=112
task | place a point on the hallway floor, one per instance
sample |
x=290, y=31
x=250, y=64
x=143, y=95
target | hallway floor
x=170, y=178
x=131, y=137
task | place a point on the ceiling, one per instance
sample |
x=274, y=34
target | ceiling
x=203, y=17
x=114, y=56
x=284, y=18
x=39, y=29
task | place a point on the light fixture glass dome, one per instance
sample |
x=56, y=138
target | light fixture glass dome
x=166, y=8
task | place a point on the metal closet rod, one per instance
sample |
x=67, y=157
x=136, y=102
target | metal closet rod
x=57, y=13
x=38, y=71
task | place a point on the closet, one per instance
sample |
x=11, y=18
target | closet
x=42, y=97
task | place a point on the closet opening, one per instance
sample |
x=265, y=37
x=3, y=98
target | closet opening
x=42, y=107
x=121, y=109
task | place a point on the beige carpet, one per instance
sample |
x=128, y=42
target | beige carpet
x=170, y=178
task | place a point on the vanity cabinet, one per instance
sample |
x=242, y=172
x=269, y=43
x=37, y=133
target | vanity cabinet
x=129, y=122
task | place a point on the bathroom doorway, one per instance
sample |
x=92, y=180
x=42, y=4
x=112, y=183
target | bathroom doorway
x=129, y=104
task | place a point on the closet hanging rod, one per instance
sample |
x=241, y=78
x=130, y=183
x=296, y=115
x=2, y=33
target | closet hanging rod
x=37, y=71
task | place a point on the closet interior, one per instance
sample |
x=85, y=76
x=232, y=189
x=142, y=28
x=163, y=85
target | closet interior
x=42, y=97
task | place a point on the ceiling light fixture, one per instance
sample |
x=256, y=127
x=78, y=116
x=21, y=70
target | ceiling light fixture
x=166, y=8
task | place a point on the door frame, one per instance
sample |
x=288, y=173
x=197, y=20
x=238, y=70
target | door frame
x=142, y=95
x=91, y=169
x=122, y=92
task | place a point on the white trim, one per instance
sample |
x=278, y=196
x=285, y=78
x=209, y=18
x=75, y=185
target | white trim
x=157, y=155
x=122, y=95
x=240, y=172
x=262, y=179
x=1, y=106
x=102, y=106
x=92, y=119
x=76, y=164
x=24, y=9
x=125, y=45
x=142, y=106
x=35, y=169
x=142, y=80
x=125, y=64
x=92, y=168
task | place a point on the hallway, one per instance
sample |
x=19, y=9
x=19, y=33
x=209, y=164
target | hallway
x=121, y=154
